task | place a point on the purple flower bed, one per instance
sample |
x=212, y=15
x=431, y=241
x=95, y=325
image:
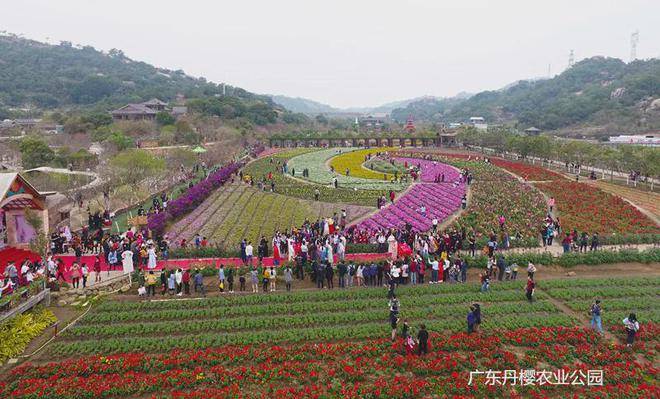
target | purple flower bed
x=188, y=201
x=439, y=199
x=431, y=169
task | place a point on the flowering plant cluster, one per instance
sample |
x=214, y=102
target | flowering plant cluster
x=589, y=209
x=269, y=169
x=527, y=172
x=319, y=172
x=494, y=193
x=192, y=198
x=354, y=160
x=424, y=202
x=374, y=368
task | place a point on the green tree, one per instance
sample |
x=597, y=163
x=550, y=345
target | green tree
x=320, y=118
x=120, y=140
x=35, y=152
x=135, y=165
x=165, y=118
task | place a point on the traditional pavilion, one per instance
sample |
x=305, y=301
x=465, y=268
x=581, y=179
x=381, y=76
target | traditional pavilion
x=410, y=125
x=17, y=195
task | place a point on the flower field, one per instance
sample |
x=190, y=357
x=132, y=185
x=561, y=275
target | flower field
x=319, y=172
x=17, y=332
x=354, y=160
x=238, y=211
x=493, y=193
x=384, y=166
x=440, y=200
x=304, y=190
x=193, y=197
x=587, y=208
x=370, y=369
x=649, y=201
x=526, y=171
x=331, y=344
x=300, y=316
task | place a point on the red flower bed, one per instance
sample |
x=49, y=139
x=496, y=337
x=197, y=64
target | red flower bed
x=587, y=208
x=371, y=369
x=527, y=172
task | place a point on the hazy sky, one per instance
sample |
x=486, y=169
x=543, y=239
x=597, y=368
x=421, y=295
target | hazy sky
x=348, y=53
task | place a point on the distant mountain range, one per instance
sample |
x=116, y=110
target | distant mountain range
x=307, y=106
x=597, y=94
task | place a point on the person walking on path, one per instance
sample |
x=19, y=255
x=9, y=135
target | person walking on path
x=531, y=269
x=566, y=243
x=151, y=283
x=329, y=276
x=127, y=261
x=288, y=277
x=551, y=204
x=75, y=275
x=178, y=278
x=185, y=279
x=151, y=263
x=596, y=321
x=273, y=279
x=97, y=269
x=632, y=326
x=423, y=340
x=199, y=282
x=594, y=242
x=221, y=277
x=84, y=272
x=530, y=288
x=230, y=279
x=254, y=279
x=485, y=282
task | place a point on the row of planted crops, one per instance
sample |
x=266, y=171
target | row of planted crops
x=331, y=344
x=341, y=314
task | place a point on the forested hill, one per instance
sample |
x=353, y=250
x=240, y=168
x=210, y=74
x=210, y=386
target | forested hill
x=303, y=105
x=52, y=76
x=595, y=92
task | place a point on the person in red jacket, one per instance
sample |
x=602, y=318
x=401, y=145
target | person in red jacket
x=421, y=271
x=529, y=290
x=60, y=270
x=186, y=281
x=413, y=271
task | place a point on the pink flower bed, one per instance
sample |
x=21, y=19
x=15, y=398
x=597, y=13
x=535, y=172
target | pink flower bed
x=431, y=169
x=439, y=199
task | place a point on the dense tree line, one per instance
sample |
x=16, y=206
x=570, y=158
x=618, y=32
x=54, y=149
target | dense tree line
x=621, y=158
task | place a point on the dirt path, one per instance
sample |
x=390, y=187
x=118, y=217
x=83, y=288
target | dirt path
x=576, y=315
x=585, y=321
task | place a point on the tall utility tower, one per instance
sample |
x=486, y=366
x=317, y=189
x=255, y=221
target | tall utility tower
x=571, y=58
x=634, y=39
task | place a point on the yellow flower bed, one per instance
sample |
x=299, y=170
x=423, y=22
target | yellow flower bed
x=16, y=333
x=353, y=161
